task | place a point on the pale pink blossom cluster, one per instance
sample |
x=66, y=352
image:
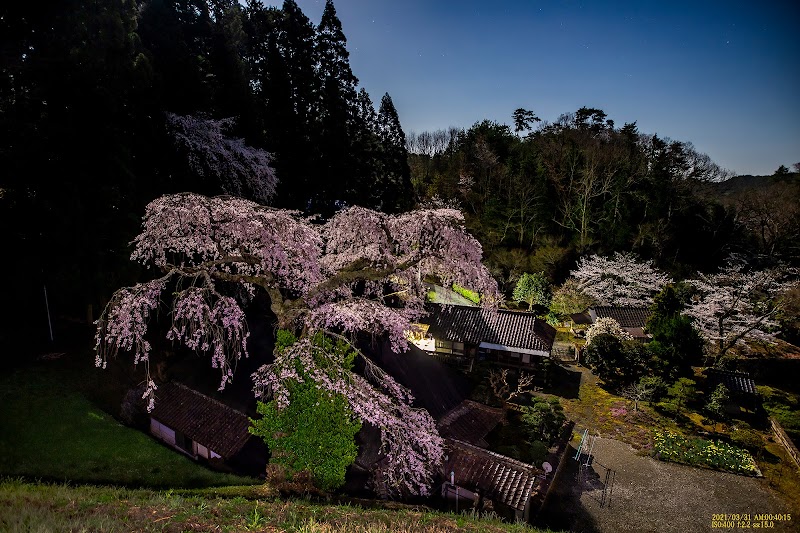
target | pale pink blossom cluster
x=241, y=169
x=124, y=324
x=361, y=271
x=622, y=280
x=358, y=315
x=737, y=304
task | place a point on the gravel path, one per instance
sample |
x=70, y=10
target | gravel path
x=653, y=496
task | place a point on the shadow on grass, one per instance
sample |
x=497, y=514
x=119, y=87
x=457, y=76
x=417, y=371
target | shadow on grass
x=50, y=431
x=565, y=382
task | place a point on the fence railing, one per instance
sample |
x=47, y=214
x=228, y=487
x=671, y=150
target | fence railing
x=784, y=439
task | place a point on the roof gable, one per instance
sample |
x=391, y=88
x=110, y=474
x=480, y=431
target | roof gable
x=476, y=324
x=202, y=419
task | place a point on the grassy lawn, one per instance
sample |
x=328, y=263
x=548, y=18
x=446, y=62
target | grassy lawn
x=613, y=416
x=42, y=507
x=49, y=430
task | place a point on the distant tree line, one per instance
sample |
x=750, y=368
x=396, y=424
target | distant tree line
x=545, y=194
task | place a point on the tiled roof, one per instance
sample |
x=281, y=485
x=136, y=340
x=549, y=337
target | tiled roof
x=736, y=382
x=497, y=477
x=476, y=324
x=470, y=422
x=202, y=419
x=628, y=317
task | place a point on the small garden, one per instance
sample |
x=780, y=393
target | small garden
x=676, y=448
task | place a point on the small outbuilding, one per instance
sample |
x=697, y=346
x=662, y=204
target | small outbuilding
x=204, y=428
x=486, y=480
x=741, y=387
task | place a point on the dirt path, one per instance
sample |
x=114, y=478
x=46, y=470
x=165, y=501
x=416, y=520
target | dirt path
x=653, y=496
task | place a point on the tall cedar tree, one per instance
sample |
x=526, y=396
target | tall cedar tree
x=336, y=113
x=74, y=112
x=292, y=101
x=395, y=192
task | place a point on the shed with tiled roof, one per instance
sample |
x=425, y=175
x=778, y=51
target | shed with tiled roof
x=739, y=383
x=196, y=424
x=505, y=481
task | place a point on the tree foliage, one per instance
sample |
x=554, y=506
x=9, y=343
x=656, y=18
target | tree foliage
x=316, y=431
x=606, y=326
x=676, y=344
x=333, y=277
x=622, y=280
x=533, y=289
x=240, y=170
x=615, y=361
x=543, y=419
x=569, y=299
x=717, y=402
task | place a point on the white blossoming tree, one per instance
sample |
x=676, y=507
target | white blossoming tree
x=361, y=271
x=736, y=305
x=622, y=280
x=609, y=326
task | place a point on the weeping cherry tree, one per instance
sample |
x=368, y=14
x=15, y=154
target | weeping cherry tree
x=359, y=272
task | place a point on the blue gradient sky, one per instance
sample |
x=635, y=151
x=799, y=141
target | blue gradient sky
x=724, y=75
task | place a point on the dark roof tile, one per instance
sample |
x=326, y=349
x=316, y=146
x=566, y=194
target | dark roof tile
x=735, y=382
x=202, y=419
x=628, y=317
x=476, y=324
x=470, y=422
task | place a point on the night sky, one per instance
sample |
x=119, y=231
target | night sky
x=723, y=75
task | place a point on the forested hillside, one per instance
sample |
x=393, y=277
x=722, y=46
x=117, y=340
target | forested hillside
x=105, y=106
x=540, y=196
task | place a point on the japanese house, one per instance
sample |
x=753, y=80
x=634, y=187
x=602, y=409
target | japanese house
x=466, y=334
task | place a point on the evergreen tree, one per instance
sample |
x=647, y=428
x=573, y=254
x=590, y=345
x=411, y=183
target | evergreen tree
x=291, y=103
x=395, y=192
x=366, y=172
x=337, y=110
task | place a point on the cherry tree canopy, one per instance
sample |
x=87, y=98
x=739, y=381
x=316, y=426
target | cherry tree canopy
x=338, y=277
x=242, y=170
x=737, y=304
x=623, y=280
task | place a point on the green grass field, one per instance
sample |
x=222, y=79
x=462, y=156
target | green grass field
x=57, y=507
x=50, y=431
